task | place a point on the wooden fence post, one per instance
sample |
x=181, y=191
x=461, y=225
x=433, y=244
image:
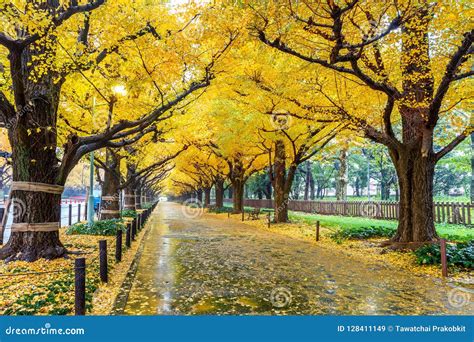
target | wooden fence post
x=118, y=246
x=70, y=215
x=243, y=214
x=444, y=261
x=103, y=260
x=78, y=212
x=80, y=286
x=269, y=219
x=85, y=210
x=317, y=230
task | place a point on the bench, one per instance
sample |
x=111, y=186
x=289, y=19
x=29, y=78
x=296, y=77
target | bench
x=254, y=214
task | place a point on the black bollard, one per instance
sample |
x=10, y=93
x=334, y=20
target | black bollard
x=118, y=246
x=103, y=260
x=128, y=236
x=134, y=229
x=80, y=286
x=70, y=215
x=317, y=230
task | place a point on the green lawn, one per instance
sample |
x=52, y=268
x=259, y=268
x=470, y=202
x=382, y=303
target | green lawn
x=448, y=231
x=451, y=232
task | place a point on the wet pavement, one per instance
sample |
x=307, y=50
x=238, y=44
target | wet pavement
x=201, y=264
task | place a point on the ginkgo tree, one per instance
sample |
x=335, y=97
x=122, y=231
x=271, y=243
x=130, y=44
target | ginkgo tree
x=46, y=47
x=399, y=66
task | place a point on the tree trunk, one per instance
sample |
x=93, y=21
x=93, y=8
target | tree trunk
x=199, y=195
x=138, y=197
x=238, y=195
x=33, y=139
x=269, y=191
x=415, y=159
x=415, y=176
x=129, y=198
x=219, y=193
x=341, y=184
x=280, y=186
x=472, y=167
x=308, y=181
x=110, y=205
x=207, y=197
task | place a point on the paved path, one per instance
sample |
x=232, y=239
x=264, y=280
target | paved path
x=210, y=265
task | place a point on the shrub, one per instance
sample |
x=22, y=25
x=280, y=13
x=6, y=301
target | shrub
x=129, y=213
x=103, y=227
x=461, y=254
x=361, y=233
x=147, y=205
x=218, y=210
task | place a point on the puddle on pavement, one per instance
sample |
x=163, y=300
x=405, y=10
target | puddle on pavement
x=212, y=266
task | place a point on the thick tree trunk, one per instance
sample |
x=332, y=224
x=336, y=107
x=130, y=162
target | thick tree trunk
x=415, y=160
x=110, y=202
x=199, y=195
x=129, y=198
x=207, y=197
x=138, y=197
x=341, y=184
x=280, y=183
x=472, y=167
x=238, y=195
x=33, y=139
x=415, y=174
x=219, y=193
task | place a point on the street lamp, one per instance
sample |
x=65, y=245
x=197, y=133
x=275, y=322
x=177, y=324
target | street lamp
x=118, y=89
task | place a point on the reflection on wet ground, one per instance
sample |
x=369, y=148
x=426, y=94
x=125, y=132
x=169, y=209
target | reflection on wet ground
x=208, y=265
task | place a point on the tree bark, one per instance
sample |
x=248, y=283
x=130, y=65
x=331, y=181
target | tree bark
x=341, y=184
x=129, y=198
x=472, y=167
x=219, y=192
x=309, y=182
x=33, y=141
x=110, y=202
x=281, y=182
x=199, y=195
x=207, y=197
x=237, y=195
x=138, y=197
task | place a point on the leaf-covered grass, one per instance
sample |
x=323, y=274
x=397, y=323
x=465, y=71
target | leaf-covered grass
x=50, y=293
x=103, y=227
x=461, y=254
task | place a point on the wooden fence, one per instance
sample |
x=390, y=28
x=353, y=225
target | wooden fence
x=447, y=212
